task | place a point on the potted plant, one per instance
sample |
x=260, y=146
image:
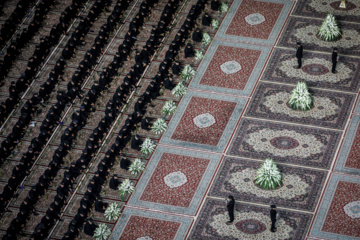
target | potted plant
x=300, y=98
x=329, y=30
x=159, y=126
x=268, y=175
x=137, y=166
x=199, y=55
x=147, y=147
x=126, y=187
x=102, y=232
x=179, y=90
x=168, y=108
x=112, y=212
x=187, y=73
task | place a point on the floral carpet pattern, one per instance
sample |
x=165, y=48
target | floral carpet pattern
x=153, y=192
x=316, y=70
x=304, y=30
x=285, y=143
x=255, y=21
x=183, y=131
x=210, y=76
x=300, y=187
x=251, y=222
x=331, y=109
x=153, y=226
x=348, y=159
x=340, y=206
x=320, y=9
x=235, y=115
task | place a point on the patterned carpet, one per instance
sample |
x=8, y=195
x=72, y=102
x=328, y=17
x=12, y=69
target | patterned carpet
x=235, y=115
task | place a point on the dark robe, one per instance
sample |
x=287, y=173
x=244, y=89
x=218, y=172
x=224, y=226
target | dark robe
x=230, y=208
x=125, y=163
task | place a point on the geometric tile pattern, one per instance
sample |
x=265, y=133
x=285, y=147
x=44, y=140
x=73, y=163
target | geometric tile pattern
x=333, y=219
x=349, y=156
x=251, y=222
x=297, y=145
x=236, y=28
x=300, y=187
x=320, y=9
x=331, y=109
x=304, y=30
x=182, y=130
x=134, y=224
x=210, y=76
x=152, y=192
x=316, y=70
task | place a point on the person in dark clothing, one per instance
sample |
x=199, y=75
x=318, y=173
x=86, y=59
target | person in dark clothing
x=299, y=53
x=215, y=4
x=206, y=20
x=136, y=142
x=114, y=182
x=176, y=68
x=197, y=35
x=334, y=59
x=189, y=51
x=273, y=214
x=90, y=227
x=125, y=163
x=100, y=206
x=230, y=207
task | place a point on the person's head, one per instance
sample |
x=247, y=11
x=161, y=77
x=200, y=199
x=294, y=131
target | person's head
x=335, y=49
x=230, y=197
x=298, y=44
x=273, y=206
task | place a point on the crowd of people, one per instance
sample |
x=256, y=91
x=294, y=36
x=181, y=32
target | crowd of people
x=35, y=62
x=112, y=110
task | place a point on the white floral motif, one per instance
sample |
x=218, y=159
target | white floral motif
x=144, y=238
x=204, y=120
x=350, y=38
x=230, y=67
x=292, y=185
x=308, y=144
x=352, y=209
x=343, y=71
x=219, y=224
x=255, y=18
x=325, y=7
x=323, y=106
x=175, y=179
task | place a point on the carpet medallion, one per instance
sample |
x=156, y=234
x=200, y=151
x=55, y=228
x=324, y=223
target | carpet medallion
x=251, y=222
x=339, y=212
x=304, y=30
x=230, y=68
x=255, y=21
x=204, y=121
x=285, y=143
x=320, y=9
x=316, y=70
x=331, y=109
x=175, y=180
x=300, y=188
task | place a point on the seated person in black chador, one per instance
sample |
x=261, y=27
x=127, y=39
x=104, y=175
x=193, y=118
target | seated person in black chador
x=189, y=51
x=197, y=35
x=125, y=163
x=206, y=21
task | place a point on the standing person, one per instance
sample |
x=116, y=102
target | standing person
x=230, y=208
x=334, y=59
x=273, y=214
x=299, y=53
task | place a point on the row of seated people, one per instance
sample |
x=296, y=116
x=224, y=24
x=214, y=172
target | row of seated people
x=11, y=24
x=92, y=194
x=22, y=39
x=40, y=54
x=80, y=118
x=46, y=129
x=31, y=106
